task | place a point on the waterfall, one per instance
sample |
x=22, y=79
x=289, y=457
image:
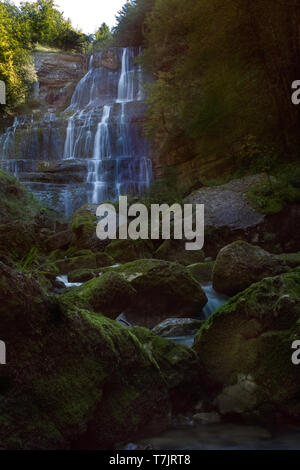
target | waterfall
x=126, y=84
x=95, y=149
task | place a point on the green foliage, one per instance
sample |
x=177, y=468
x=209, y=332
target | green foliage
x=16, y=68
x=28, y=261
x=102, y=39
x=281, y=190
x=221, y=74
x=131, y=22
x=48, y=26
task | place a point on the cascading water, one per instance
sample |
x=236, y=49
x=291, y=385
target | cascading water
x=93, y=151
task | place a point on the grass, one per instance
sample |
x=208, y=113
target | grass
x=45, y=49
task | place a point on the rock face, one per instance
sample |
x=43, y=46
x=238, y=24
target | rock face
x=178, y=365
x=57, y=76
x=162, y=288
x=245, y=349
x=108, y=59
x=240, y=264
x=73, y=379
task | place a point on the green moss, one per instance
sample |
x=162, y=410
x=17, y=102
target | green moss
x=109, y=294
x=178, y=365
x=173, y=250
x=252, y=334
x=124, y=251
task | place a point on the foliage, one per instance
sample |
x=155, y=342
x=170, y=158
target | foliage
x=27, y=262
x=131, y=22
x=16, y=68
x=283, y=190
x=220, y=73
x=102, y=39
x=48, y=26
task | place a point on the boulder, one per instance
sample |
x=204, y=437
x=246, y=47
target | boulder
x=177, y=327
x=245, y=348
x=161, y=287
x=202, y=272
x=178, y=365
x=240, y=264
x=110, y=294
x=73, y=379
x=124, y=251
x=61, y=240
x=291, y=259
x=81, y=275
x=174, y=250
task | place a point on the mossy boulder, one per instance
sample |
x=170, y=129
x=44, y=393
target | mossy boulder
x=124, y=251
x=174, y=250
x=84, y=224
x=74, y=380
x=91, y=261
x=245, y=348
x=162, y=288
x=110, y=294
x=60, y=240
x=82, y=275
x=202, y=272
x=23, y=220
x=240, y=264
x=179, y=367
x=291, y=259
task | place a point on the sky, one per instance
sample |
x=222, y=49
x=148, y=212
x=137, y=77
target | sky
x=88, y=15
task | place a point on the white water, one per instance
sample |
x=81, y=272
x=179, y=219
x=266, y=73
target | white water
x=65, y=281
x=215, y=301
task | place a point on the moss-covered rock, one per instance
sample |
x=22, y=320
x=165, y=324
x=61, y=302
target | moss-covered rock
x=84, y=224
x=124, y=251
x=240, y=264
x=202, y=272
x=246, y=345
x=174, y=250
x=291, y=259
x=110, y=294
x=163, y=289
x=178, y=365
x=92, y=261
x=73, y=379
x=82, y=275
x=23, y=220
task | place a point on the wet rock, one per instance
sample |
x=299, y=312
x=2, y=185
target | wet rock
x=240, y=264
x=178, y=327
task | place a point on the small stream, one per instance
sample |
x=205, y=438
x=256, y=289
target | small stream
x=223, y=436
